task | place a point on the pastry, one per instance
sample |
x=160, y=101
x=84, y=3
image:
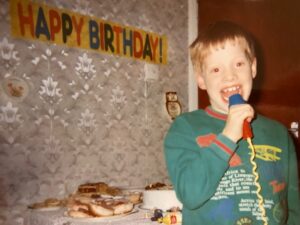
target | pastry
x=47, y=203
x=122, y=207
x=78, y=214
x=101, y=210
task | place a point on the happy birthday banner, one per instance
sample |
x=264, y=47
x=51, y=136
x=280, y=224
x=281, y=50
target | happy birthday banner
x=35, y=21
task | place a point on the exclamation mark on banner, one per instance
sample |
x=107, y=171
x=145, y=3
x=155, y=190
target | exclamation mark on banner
x=160, y=50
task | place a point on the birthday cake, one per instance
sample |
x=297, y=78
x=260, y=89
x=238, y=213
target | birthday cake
x=163, y=197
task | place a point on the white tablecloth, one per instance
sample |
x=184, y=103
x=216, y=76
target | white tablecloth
x=57, y=217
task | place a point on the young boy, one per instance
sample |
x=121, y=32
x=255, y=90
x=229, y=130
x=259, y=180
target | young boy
x=208, y=160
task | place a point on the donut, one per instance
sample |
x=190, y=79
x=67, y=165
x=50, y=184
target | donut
x=78, y=214
x=79, y=207
x=87, y=188
x=134, y=197
x=52, y=202
x=122, y=207
x=82, y=199
x=100, y=210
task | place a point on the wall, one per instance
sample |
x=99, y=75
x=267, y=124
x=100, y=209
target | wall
x=85, y=116
x=193, y=32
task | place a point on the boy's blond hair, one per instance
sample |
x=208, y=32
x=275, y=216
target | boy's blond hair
x=216, y=35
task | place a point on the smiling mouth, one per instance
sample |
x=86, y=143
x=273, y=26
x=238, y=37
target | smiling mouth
x=227, y=92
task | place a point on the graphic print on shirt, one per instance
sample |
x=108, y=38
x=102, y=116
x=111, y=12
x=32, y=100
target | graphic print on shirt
x=224, y=211
x=267, y=152
x=277, y=186
x=244, y=221
x=280, y=211
x=208, y=139
x=236, y=183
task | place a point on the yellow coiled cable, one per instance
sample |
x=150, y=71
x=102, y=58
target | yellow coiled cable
x=256, y=177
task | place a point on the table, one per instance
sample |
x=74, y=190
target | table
x=57, y=217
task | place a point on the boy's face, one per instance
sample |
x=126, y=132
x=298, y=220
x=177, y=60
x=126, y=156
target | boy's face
x=226, y=71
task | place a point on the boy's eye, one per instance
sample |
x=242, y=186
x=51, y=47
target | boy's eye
x=239, y=64
x=215, y=70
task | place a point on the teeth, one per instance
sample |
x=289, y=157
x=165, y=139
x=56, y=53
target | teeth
x=231, y=89
x=226, y=92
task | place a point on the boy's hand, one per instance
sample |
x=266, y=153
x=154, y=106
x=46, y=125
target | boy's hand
x=234, y=124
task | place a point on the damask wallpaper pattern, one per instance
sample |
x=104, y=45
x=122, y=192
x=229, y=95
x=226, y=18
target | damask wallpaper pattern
x=69, y=116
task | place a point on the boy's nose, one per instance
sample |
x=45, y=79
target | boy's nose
x=229, y=75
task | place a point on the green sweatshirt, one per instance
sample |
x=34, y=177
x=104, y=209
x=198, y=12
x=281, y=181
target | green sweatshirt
x=213, y=177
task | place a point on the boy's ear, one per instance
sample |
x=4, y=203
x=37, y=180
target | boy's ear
x=254, y=68
x=201, y=82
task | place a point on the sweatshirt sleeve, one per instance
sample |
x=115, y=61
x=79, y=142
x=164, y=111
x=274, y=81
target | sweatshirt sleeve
x=195, y=171
x=293, y=187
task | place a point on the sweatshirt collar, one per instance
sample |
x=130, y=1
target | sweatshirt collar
x=215, y=114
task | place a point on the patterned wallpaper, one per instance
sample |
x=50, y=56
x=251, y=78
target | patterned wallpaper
x=69, y=116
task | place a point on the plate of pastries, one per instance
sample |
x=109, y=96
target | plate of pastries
x=94, y=201
x=99, y=200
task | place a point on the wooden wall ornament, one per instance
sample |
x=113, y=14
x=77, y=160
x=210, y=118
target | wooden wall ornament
x=173, y=105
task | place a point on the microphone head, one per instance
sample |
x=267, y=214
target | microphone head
x=236, y=99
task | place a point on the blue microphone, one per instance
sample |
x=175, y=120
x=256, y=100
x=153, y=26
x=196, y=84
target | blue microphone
x=237, y=99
